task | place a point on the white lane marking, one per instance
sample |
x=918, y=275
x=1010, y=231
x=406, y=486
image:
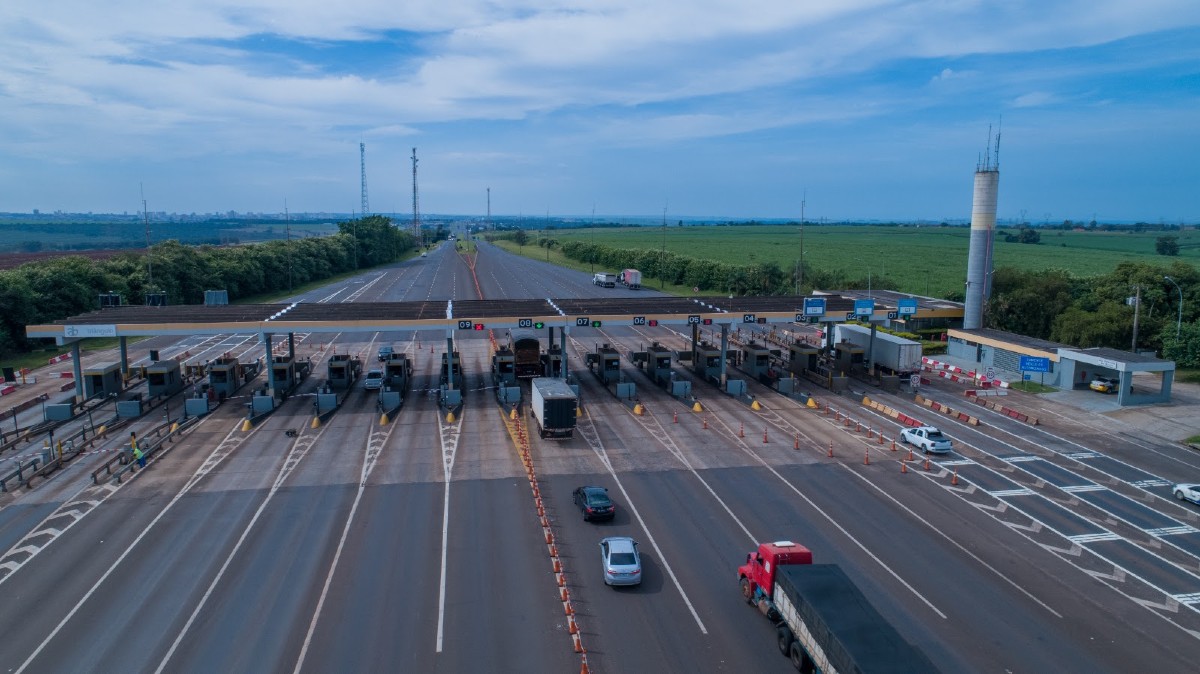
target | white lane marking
x=449, y=450
x=117, y=564
x=598, y=447
x=950, y=540
x=299, y=451
x=372, y=453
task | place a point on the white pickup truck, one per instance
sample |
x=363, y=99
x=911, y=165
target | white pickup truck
x=926, y=438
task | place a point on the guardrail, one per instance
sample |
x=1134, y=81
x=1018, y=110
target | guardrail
x=150, y=444
x=19, y=473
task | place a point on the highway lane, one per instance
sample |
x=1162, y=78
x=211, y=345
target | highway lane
x=501, y=604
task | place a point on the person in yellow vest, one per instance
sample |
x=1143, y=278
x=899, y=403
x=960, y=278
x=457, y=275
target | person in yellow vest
x=137, y=453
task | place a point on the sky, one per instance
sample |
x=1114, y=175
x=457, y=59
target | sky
x=735, y=109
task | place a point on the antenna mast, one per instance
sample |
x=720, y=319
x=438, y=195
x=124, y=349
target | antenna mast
x=362, y=163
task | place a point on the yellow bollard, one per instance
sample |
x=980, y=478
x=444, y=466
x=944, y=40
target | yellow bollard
x=450, y=417
x=755, y=406
x=696, y=407
x=316, y=423
x=246, y=425
x=639, y=410
x=383, y=419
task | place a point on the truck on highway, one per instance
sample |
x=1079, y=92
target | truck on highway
x=553, y=407
x=900, y=356
x=823, y=622
x=631, y=278
x=604, y=279
x=527, y=354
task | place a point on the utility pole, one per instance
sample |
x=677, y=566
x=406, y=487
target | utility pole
x=416, y=223
x=662, y=260
x=1137, y=305
x=800, y=271
x=287, y=220
x=146, y=223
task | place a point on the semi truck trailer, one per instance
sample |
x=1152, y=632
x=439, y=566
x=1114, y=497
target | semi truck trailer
x=553, y=407
x=823, y=622
x=900, y=356
x=631, y=278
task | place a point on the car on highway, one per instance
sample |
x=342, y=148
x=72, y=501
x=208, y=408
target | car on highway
x=594, y=503
x=424, y=254
x=374, y=380
x=1104, y=385
x=622, y=565
x=927, y=438
x=385, y=352
x=1187, y=492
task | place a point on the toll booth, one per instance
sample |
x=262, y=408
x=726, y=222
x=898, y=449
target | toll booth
x=164, y=378
x=503, y=367
x=285, y=375
x=552, y=362
x=102, y=380
x=326, y=399
x=756, y=362
x=343, y=371
x=223, y=377
x=397, y=370
x=847, y=355
x=458, y=376
x=708, y=362
x=656, y=363
x=605, y=363
x=803, y=357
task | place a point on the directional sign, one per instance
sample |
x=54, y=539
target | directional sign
x=639, y=320
x=749, y=318
x=1032, y=364
x=596, y=324
x=524, y=322
x=539, y=325
x=466, y=325
x=707, y=321
x=479, y=326
x=652, y=322
x=814, y=306
x=907, y=307
x=583, y=321
x=864, y=307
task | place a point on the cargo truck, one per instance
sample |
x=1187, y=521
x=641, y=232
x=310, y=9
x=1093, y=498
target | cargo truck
x=896, y=354
x=527, y=354
x=631, y=278
x=823, y=621
x=605, y=280
x=553, y=407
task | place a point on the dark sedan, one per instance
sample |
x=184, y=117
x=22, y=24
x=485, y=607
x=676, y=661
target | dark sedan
x=594, y=503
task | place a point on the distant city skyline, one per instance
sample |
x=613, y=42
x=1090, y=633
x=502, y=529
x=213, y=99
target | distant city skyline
x=862, y=109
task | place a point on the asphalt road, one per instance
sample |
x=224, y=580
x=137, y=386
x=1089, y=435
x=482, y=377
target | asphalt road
x=416, y=546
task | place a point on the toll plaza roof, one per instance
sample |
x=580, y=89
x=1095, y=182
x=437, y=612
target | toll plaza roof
x=134, y=320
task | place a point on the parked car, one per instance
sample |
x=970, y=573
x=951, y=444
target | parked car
x=374, y=380
x=385, y=352
x=1104, y=385
x=1187, y=492
x=622, y=565
x=928, y=438
x=594, y=503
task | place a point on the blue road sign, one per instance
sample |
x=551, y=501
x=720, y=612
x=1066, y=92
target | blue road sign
x=814, y=306
x=1032, y=364
x=864, y=307
x=907, y=307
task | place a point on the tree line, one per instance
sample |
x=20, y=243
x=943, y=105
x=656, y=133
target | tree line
x=52, y=290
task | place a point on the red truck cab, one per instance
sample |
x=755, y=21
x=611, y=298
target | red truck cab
x=757, y=575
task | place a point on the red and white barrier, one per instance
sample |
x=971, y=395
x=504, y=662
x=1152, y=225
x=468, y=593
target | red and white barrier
x=6, y=389
x=60, y=358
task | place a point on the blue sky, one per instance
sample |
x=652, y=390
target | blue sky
x=708, y=108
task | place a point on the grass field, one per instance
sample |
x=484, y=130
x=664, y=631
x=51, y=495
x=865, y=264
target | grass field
x=926, y=260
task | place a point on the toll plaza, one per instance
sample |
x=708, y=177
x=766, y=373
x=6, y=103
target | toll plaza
x=285, y=371
x=343, y=371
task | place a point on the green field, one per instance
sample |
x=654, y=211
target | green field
x=928, y=260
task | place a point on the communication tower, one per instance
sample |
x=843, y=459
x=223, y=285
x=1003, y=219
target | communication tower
x=983, y=232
